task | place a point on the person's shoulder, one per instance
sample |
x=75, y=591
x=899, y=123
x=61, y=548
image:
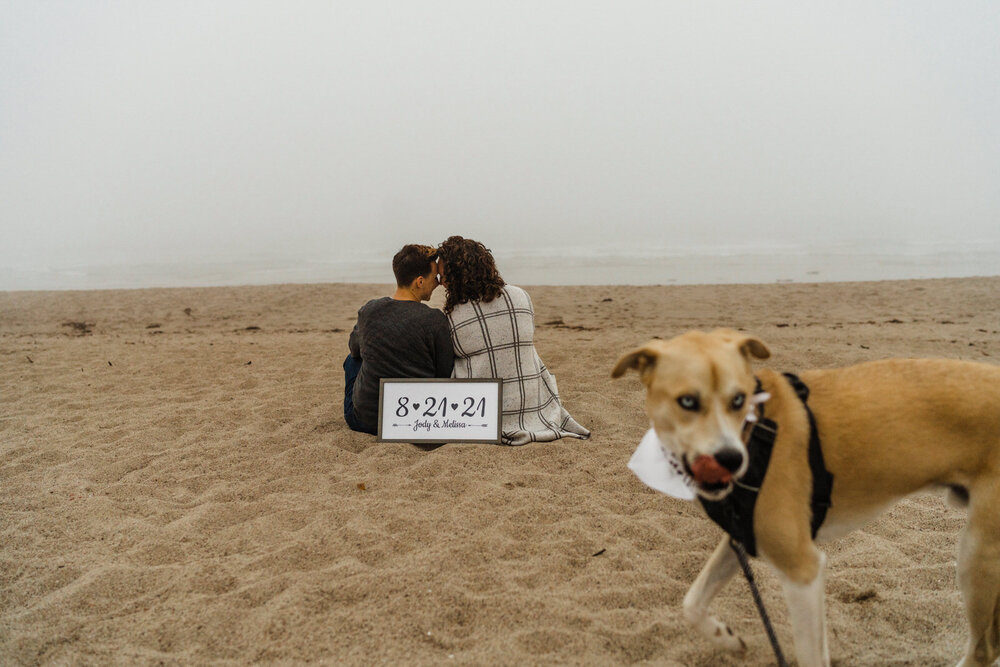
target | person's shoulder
x=435, y=315
x=517, y=294
x=375, y=303
x=373, y=306
x=514, y=289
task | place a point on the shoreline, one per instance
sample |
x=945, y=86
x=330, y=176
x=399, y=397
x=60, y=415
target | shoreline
x=388, y=285
x=852, y=263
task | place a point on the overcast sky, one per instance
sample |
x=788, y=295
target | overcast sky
x=171, y=131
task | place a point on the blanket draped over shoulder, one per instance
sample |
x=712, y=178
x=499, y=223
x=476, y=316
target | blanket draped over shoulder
x=496, y=340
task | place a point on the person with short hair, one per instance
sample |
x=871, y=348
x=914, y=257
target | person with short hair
x=492, y=329
x=396, y=337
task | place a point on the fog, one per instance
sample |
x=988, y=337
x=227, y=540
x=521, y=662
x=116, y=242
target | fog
x=179, y=132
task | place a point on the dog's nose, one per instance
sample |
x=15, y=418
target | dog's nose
x=730, y=459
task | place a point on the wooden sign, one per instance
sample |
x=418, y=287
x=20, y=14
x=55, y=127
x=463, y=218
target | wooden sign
x=436, y=410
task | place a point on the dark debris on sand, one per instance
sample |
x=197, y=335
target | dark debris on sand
x=80, y=328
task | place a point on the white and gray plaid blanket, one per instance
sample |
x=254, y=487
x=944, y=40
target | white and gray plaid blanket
x=496, y=340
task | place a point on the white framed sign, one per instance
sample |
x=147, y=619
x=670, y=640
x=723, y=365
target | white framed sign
x=437, y=410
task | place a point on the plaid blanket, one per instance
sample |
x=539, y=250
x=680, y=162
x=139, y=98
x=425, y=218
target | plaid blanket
x=495, y=340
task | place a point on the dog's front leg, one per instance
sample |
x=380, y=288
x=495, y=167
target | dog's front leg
x=719, y=569
x=805, y=612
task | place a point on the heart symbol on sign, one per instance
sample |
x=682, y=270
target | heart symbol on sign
x=416, y=406
x=454, y=406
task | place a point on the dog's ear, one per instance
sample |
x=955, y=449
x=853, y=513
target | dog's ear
x=642, y=359
x=749, y=346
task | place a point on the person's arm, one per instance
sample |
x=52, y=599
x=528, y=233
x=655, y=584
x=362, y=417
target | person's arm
x=355, y=343
x=531, y=305
x=444, y=353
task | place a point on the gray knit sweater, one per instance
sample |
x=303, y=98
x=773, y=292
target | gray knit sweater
x=397, y=339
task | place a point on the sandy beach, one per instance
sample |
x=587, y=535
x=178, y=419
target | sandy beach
x=177, y=486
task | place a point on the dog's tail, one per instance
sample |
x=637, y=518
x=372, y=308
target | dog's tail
x=958, y=496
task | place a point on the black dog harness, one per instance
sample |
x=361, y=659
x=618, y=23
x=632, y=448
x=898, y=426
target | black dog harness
x=734, y=513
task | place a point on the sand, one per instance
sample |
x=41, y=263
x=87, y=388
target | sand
x=177, y=486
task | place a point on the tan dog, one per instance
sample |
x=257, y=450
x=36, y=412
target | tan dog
x=886, y=429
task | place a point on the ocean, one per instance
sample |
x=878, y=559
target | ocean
x=546, y=266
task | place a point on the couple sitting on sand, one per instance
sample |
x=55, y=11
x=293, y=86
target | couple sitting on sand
x=486, y=331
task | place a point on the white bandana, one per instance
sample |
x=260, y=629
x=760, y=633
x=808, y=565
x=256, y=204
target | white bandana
x=660, y=470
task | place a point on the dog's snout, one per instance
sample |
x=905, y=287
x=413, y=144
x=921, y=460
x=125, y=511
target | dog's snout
x=730, y=459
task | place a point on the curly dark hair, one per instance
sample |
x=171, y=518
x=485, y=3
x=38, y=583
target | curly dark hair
x=470, y=272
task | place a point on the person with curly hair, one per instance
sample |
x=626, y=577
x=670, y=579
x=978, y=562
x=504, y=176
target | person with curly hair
x=396, y=337
x=492, y=330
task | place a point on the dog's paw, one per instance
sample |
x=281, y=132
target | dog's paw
x=723, y=636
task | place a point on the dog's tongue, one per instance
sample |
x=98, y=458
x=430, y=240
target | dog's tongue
x=706, y=470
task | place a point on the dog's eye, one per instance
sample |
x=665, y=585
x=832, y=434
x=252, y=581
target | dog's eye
x=738, y=401
x=689, y=402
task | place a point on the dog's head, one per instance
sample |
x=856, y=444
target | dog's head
x=698, y=393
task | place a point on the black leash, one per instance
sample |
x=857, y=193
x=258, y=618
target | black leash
x=741, y=555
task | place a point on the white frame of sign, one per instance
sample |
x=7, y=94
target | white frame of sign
x=429, y=436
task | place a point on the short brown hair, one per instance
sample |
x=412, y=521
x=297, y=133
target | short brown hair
x=411, y=262
x=470, y=272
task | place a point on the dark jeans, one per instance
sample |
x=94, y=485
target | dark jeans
x=352, y=367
